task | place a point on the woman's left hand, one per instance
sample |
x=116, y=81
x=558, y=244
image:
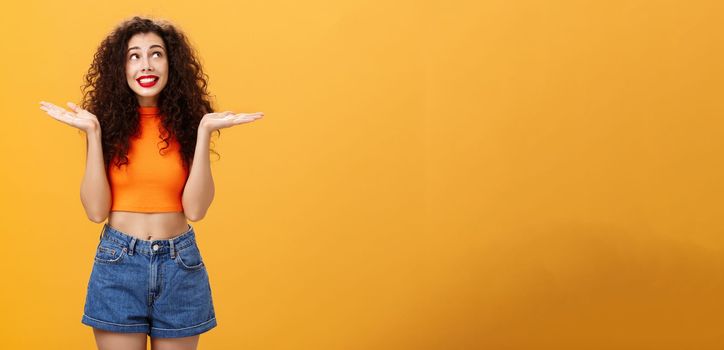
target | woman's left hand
x=220, y=120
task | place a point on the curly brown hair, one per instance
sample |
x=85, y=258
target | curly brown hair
x=183, y=101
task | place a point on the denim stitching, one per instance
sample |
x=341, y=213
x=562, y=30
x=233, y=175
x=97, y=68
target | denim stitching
x=180, y=329
x=112, y=261
x=191, y=268
x=117, y=324
x=110, y=251
x=115, y=243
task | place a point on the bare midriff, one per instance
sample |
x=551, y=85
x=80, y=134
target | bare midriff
x=149, y=226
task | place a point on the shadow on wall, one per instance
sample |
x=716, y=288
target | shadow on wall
x=578, y=286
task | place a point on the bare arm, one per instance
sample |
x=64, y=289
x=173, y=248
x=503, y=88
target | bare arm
x=95, y=192
x=199, y=190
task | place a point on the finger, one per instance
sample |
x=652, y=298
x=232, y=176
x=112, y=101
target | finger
x=49, y=111
x=65, y=117
x=62, y=116
x=56, y=108
x=220, y=114
x=47, y=104
x=243, y=119
x=61, y=113
x=50, y=104
x=257, y=114
x=50, y=108
x=74, y=107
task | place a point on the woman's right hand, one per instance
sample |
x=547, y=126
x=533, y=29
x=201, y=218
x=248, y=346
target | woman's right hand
x=78, y=118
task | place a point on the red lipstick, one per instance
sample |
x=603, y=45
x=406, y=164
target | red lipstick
x=147, y=84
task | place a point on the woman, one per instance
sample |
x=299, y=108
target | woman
x=148, y=121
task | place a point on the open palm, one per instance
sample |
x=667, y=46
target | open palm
x=220, y=120
x=78, y=118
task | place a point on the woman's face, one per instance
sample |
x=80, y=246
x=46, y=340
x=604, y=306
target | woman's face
x=146, y=67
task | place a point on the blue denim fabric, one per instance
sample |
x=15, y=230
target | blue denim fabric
x=158, y=287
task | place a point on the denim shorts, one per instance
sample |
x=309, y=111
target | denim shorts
x=157, y=287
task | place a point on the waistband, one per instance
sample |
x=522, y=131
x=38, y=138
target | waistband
x=152, y=247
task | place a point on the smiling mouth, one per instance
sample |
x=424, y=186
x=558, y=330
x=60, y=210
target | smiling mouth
x=147, y=81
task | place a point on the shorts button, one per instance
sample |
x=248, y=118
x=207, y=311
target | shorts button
x=155, y=247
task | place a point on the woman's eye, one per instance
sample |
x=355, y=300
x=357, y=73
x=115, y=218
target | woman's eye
x=136, y=55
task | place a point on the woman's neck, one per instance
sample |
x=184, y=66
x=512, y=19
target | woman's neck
x=147, y=101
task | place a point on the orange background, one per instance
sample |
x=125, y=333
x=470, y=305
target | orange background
x=428, y=175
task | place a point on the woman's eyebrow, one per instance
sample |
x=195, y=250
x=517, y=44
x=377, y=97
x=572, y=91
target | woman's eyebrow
x=136, y=47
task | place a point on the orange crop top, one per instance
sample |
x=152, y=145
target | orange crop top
x=151, y=181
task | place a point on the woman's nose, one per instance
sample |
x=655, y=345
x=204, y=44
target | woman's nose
x=146, y=64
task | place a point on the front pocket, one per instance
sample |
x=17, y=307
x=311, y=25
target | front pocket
x=189, y=258
x=109, y=253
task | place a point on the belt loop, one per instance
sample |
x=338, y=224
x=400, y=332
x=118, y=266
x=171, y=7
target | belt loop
x=131, y=246
x=103, y=230
x=173, y=251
